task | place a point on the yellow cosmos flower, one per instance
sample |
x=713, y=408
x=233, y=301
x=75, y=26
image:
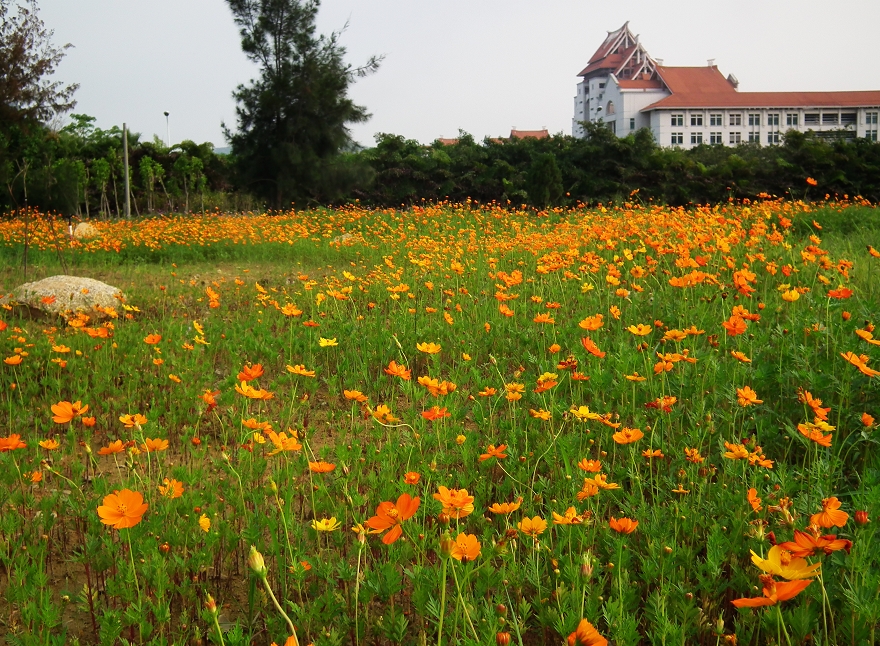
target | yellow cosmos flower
x=205, y=523
x=428, y=348
x=640, y=330
x=781, y=563
x=327, y=343
x=326, y=524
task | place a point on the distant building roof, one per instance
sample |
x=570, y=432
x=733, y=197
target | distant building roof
x=522, y=134
x=447, y=142
x=706, y=87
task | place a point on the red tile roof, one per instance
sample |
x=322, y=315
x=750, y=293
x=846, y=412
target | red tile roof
x=706, y=87
x=447, y=142
x=522, y=134
x=640, y=84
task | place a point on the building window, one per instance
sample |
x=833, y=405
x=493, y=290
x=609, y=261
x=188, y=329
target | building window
x=632, y=123
x=735, y=138
x=601, y=85
x=791, y=120
x=772, y=119
x=715, y=120
x=677, y=120
x=736, y=119
x=772, y=137
x=871, y=118
x=811, y=117
x=715, y=138
x=829, y=119
x=696, y=138
x=697, y=120
x=848, y=118
x=871, y=135
x=677, y=139
x=754, y=119
x=754, y=137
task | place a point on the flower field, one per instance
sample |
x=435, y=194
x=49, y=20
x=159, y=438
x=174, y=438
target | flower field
x=451, y=424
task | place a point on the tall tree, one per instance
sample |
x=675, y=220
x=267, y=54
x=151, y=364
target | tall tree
x=292, y=120
x=27, y=61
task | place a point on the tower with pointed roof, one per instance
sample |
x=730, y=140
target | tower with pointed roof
x=625, y=89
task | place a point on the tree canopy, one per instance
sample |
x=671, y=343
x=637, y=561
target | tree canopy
x=292, y=120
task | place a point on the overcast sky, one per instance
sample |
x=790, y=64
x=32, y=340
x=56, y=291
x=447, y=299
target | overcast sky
x=482, y=66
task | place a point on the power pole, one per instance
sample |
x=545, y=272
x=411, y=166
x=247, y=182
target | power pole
x=125, y=163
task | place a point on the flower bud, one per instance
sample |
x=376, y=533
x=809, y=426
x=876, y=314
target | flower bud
x=501, y=609
x=211, y=605
x=443, y=518
x=502, y=639
x=446, y=545
x=256, y=563
x=861, y=517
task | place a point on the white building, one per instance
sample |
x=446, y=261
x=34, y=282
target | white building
x=625, y=89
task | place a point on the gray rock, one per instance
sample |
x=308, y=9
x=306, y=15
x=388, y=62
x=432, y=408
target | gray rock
x=72, y=295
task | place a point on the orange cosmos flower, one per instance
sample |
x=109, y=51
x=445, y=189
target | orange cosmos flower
x=655, y=453
x=592, y=348
x=382, y=414
x=635, y=377
x=492, y=452
x=554, y=348
x=487, y=392
x=14, y=360
x=592, y=323
x=130, y=421
x=396, y=370
x=355, y=395
x=540, y=414
x=623, y=525
x=321, y=467
x=465, y=548
x=544, y=317
x=301, y=370
x=514, y=391
x=152, y=339
x=249, y=373
x=840, y=292
x=435, y=413
x=588, y=490
x=807, y=544
x=114, y=447
x=586, y=635
x=830, y=516
x=411, y=477
x=867, y=420
x=49, y=445
x=65, y=411
x=740, y=356
x=860, y=362
x=11, y=443
x=774, y=592
x=283, y=442
x=122, y=509
x=153, y=445
x=615, y=312
x=290, y=309
x=754, y=501
x=457, y=503
x=171, y=488
x=735, y=451
x=693, y=455
x=504, y=508
x=811, y=181
x=628, y=435
x=579, y=376
x=437, y=387
x=390, y=515
x=253, y=393
x=533, y=527
x=570, y=517
x=735, y=325
x=747, y=397
x=428, y=348
x=812, y=432
x=791, y=295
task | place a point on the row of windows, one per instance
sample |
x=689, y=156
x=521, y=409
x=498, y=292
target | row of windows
x=734, y=138
x=773, y=119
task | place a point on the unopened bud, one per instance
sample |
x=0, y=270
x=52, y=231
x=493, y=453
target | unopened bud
x=273, y=487
x=256, y=563
x=501, y=609
x=211, y=605
x=861, y=517
x=502, y=639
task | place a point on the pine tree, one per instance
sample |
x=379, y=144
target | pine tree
x=292, y=120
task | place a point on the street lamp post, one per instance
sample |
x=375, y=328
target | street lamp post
x=167, y=131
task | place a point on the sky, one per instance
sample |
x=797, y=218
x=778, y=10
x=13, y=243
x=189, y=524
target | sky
x=481, y=66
